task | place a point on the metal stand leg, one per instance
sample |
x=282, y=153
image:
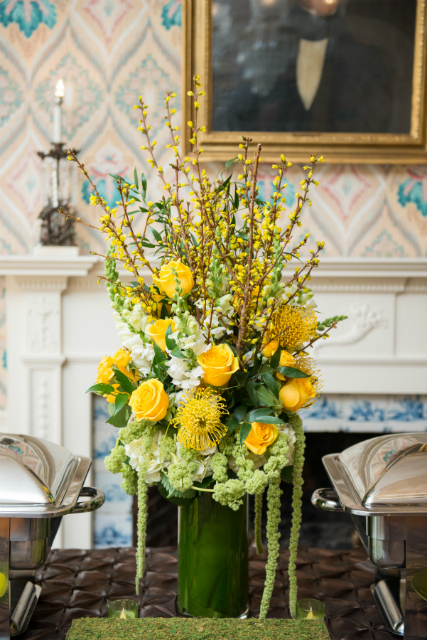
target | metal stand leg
x=4, y=579
x=416, y=561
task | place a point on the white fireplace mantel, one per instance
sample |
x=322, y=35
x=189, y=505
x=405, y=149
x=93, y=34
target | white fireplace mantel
x=59, y=325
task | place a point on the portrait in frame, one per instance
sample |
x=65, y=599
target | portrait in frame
x=344, y=78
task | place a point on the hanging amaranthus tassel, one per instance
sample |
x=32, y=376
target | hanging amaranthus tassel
x=298, y=464
x=141, y=524
x=147, y=439
x=273, y=536
x=258, y=517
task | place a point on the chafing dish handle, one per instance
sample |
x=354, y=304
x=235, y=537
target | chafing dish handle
x=326, y=499
x=96, y=496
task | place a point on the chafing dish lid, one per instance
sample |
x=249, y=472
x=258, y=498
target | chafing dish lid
x=34, y=471
x=389, y=470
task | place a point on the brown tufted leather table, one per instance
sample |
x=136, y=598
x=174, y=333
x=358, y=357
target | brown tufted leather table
x=79, y=584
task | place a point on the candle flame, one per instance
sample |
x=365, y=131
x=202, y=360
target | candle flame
x=123, y=615
x=310, y=615
x=59, y=89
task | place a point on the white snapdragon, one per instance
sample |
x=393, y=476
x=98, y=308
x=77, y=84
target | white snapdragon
x=156, y=461
x=142, y=353
x=212, y=324
x=290, y=432
x=183, y=372
x=302, y=298
x=182, y=375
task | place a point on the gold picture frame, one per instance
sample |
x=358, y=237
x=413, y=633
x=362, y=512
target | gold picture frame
x=381, y=148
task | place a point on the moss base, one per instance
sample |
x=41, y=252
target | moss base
x=195, y=629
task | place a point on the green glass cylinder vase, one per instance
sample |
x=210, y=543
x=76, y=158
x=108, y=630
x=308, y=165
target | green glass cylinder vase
x=213, y=569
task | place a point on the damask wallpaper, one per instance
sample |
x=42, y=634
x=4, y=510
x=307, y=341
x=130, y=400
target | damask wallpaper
x=110, y=51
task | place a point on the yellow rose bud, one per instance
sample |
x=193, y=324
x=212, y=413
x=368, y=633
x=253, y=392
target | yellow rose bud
x=166, y=278
x=105, y=370
x=260, y=437
x=122, y=359
x=150, y=401
x=295, y=393
x=286, y=360
x=270, y=349
x=158, y=331
x=218, y=364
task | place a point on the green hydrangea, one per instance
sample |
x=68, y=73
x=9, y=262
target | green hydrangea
x=229, y=493
x=180, y=474
x=133, y=431
x=130, y=480
x=219, y=466
x=168, y=447
x=114, y=461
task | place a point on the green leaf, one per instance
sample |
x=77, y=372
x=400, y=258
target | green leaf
x=177, y=353
x=290, y=372
x=116, y=177
x=274, y=362
x=265, y=397
x=121, y=418
x=204, y=483
x=271, y=383
x=241, y=377
x=135, y=178
x=224, y=185
x=269, y=420
x=179, y=498
x=231, y=162
x=240, y=412
x=104, y=389
x=256, y=413
x=251, y=389
x=143, y=183
x=121, y=400
x=157, y=235
x=244, y=432
x=124, y=381
x=159, y=356
x=231, y=425
x=287, y=474
x=170, y=342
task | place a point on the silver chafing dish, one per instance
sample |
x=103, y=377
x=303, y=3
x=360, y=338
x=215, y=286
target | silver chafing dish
x=40, y=482
x=382, y=483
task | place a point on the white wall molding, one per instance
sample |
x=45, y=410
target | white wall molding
x=39, y=265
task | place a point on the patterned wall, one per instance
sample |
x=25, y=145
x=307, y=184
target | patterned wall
x=110, y=51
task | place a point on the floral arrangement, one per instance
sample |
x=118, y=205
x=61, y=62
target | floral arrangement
x=214, y=366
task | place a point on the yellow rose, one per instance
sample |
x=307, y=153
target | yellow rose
x=261, y=436
x=150, y=401
x=122, y=359
x=105, y=370
x=270, y=349
x=165, y=280
x=218, y=364
x=158, y=331
x=286, y=360
x=295, y=393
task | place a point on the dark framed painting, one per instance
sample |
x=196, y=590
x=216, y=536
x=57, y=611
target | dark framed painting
x=346, y=78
